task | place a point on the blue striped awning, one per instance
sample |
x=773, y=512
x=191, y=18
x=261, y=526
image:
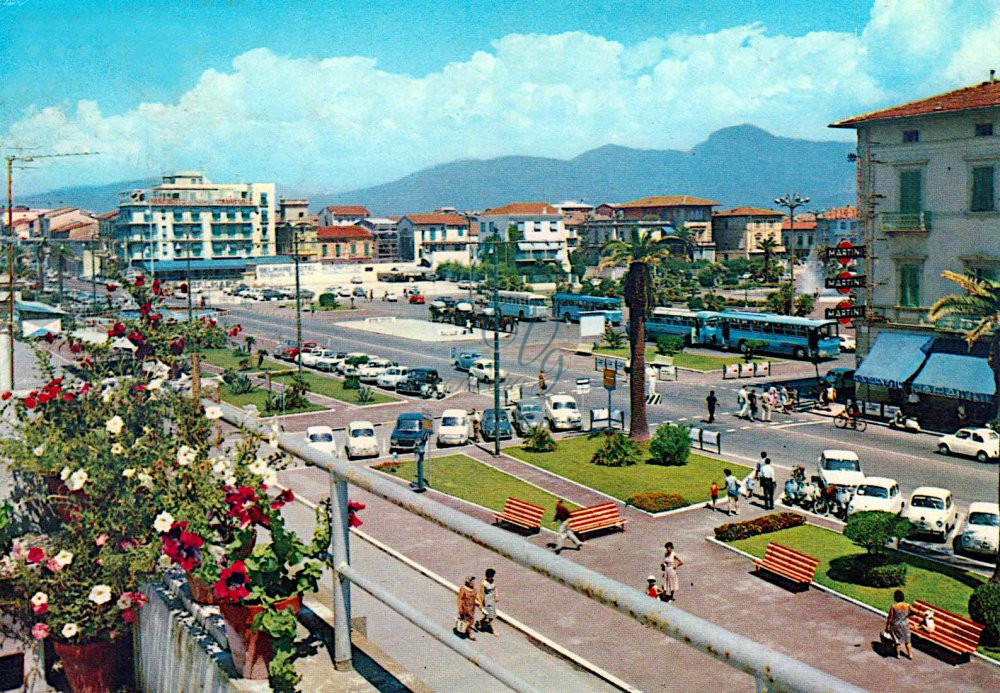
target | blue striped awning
x=893, y=359
x=957, y=376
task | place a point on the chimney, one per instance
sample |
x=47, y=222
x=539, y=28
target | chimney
x=993, y=76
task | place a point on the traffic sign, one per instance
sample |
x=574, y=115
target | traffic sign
x=609, y=378
x=845, y=281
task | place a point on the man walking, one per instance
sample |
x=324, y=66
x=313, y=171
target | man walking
x=752, y=401
x=767, y=481
x=711, y=401
x=562, y=517
x=732, y=492
x=743, y=401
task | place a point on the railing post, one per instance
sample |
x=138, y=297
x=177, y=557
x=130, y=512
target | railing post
x=340, y=549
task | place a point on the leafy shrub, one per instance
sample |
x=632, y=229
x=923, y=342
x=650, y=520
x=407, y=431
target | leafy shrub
x=391, y=467
x=240, y=384
x=696, y=303
x=656, y=501
x=669, y=344
x=328, y=301
x=244, y=364
x=671, y=445
x=357, y=360
x=878, y=570
x=984, y=608
x=616, y=450
x=615, y=339
x=714, y=302
x=732, y=531
x=352, y=382
x=365, y=395
x=872, y=529
x=538, y=439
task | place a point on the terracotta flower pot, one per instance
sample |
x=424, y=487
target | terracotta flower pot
x=63, y=507
x=93, y=667
x=252, y=651
x=201, y=591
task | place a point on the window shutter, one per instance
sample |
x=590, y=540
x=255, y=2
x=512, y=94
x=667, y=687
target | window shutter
x=909, y=192
x=982, y=189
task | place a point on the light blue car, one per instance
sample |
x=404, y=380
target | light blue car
x=465, y=360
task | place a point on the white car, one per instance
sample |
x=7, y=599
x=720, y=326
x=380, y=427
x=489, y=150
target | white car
x=361, y=440
x=932, y=510
x=981, y=532
x=483, y=370
x=454, y=428
x=391, y=377
x=847, y=343
x=356, y=280
x=311, y=358
x=328, y=361
x=877, y=493
x=981, y=443
x=390, y=296
x=840, y=468
x=561, y=412
x=321, y=438
x=344, y=292
x=344, y=367
x=370, y=371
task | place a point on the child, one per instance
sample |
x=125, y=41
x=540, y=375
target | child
x=750, y=482
x=652, y=589
x=713, y=490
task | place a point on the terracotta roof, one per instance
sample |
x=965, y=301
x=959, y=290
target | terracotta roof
x=74, y=225
x=437, y=218
x=82, y=234
x=748, y=212
x=668, y=201
x=336, y=233
x=800, y=225
x=349, y=210
x=58, y=212
x=983, y=95
x=108, y=215
x=526, y=208
x=848, y=212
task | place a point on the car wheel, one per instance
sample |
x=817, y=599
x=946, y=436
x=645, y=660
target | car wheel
x=566, y=318
x=800, y=353
x=982, y=456
x=944, y=449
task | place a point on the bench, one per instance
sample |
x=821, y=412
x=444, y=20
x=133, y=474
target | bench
x=788, y=563
x=520, y=513
x=952, y=632
x=595, y=517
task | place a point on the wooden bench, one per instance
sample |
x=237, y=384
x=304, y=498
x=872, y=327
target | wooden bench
x=955, y=633
x=595, y=517
x=520, y=513
x=788, y=563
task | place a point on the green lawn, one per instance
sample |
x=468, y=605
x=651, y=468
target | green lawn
x=324, y=385
x=258, y=397
x=471, y=480
x=700, y=362
x=225, y=358
x=571, y=459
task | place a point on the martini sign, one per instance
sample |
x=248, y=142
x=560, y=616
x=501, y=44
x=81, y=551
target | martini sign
x=845, y=252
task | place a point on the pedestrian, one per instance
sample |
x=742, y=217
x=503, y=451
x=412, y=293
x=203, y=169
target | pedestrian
x=732, y=492
x=783, y=399
x=541, y=383
x=671, y=562
x=713, y=491
x=750, y=483
x=473, y=383
x=823, y=399
x=652, y=589
x=752, y=400
x=743, y=401
x=476, y=424
x=831, y=395
x=467, y=600
x=650, y=381
x=371, y=295
x=766, y=404
x=767, y=481
x=564, y=531
x=711, y=402
x=488, y=599
x=897, y=624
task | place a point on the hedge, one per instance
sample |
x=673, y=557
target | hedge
x=656, y=501
x=875, y=570
x=732, y=531
x=984, y=607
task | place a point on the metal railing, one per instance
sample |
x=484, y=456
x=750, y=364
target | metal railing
x=771, y=670
x=913, y=222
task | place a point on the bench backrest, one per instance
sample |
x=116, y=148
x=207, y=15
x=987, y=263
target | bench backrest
x=961, y=630
x=796, y=560
x=594, y=513
x=523, y=510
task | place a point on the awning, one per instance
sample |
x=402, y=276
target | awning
x=538, y=245
x=957, y=376
x=893, y=359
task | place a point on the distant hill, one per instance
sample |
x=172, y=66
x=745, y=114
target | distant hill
x=740, y=165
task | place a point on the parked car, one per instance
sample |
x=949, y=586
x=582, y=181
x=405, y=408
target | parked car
x=466, y=286
x=981, y=532
x=410, y=432
x=271, y=295
x=465, y=359
x=356, y=280
x=493, y=425
x=286, y=352
x=361, y=440
x=390, y=296
x=391, y=377
x=417, y=298
x=932, y=510
x=329, y=360
x=346, y=367
x=847, y=343
x=369, y=371
x=454, y=428
x=235, y=289
x=311, y=358
x=877, y=493
x=305, y=294
x=484, y=371
x=840, y=468
x=419, y=381
x=344, y=292
x=359, y=292
x=561, y=412
x=981, y=443
x=527, y=415
x=321, y=438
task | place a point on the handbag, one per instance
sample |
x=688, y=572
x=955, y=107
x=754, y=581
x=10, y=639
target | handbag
x=461, y=626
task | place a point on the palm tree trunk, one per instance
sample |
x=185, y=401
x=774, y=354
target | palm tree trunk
x=995, y=365
x=639, y=429
x=62, y=266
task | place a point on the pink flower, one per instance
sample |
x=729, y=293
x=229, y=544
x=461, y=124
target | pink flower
x=53, y=565
x=128, y=615
x=36, y=555
x=40, y=631
x=40, y=603
x=101, y=539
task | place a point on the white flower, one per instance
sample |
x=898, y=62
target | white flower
x=128, y=473
x=251, y=410
x=7, y=566
x=107, y=394
x=77, y=479
x=100, y=594
x=39, y=599
x=63, y=558
x=163, y=522
x=145, y=479
x=69, y=630
x=186, y=455
x=124, y=601
x=164, y=562
x=114, y=425
x=220, y=465
x=213, y=412
x=39, y=450
x=64, y=474
x=155, y=384
x=117, y=449
x=230, y=480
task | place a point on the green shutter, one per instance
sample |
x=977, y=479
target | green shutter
x=982, y=189
x=909, y=192
x=909, y=285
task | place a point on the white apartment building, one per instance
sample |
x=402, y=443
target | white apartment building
x=541, y=231
x=431, y=239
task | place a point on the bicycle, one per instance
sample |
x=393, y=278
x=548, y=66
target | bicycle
x=843, y=420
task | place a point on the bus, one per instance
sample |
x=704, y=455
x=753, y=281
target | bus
x=523, y=305
x=697, y=327
x=569, y=306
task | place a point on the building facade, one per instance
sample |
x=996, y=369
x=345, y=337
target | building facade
x=539, y=227
x=386, y=232
x=837, y=225
x=431, y=239
x=799, y=238
x=343, y=215
x=343, y=244
x=738, y=232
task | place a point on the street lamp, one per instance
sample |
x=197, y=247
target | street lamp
x=791, y=201
x=298, y=292
x=496, y=342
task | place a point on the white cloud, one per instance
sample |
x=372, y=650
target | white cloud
x=339, y=123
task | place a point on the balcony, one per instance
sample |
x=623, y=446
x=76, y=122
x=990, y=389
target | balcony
x=905, y=222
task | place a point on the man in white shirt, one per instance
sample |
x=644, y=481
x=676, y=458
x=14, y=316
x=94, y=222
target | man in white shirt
x=767, y=482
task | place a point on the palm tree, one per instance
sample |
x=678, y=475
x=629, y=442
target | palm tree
x=41, y=250
x=60, y=253
x=687, y=241
x=981, y=303
x=768, y=245
x=638, y=252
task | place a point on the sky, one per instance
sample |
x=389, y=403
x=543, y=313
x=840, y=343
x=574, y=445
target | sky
x=335, y=95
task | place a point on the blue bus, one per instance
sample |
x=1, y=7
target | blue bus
x=523, y=305
x=697, y=327
x=569, y=306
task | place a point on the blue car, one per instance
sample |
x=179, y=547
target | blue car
x=410, y=432
x=489, y=425
x=466, y=359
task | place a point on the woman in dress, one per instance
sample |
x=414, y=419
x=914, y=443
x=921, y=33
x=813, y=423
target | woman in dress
x=898, y=625
x=671, y=562
x=467, y=600
x=488, y=599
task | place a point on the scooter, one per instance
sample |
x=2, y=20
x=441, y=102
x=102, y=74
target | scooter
x=904, y=423
x=834, y=501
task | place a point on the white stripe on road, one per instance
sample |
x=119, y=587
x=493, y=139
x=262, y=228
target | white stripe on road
x=797, y=423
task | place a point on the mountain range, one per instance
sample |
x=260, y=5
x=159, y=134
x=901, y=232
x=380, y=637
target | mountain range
x=739, y=165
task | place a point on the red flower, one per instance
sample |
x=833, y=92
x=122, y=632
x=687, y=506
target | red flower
x=36, y=555
x=84, y=389
x=117, y=331
x=183, y=288
x=68, y=397
x=136, y=338
x=146, y=308
x=140, y=280
x=6, y=396
x=29, y=402
x=128, y=615
x=282, y=499
x=112, y=288
x=157, y=290
x=75, y=348
x=352, y=517
x=49, y=337
x=233, y=582
x=177, y=346
x=155, y=317
x=44, y=397
x=139, y=388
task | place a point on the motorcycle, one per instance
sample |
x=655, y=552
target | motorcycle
x=904, y=423
x=833, y=501
x=802, y=493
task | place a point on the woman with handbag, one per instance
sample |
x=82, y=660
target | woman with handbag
x=468, y=598
x=897, y=624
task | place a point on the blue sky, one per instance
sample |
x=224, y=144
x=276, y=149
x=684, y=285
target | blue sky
x=336, y=95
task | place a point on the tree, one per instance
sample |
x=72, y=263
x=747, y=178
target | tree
x=639, y=252
x=687, y=241
x=671, y=446
x=613, y=338
x=768, y=245
x=714, y=302
x=981, y=304
x=60, y=253
x=41, y=250
x=780, y=301
x=873, y=529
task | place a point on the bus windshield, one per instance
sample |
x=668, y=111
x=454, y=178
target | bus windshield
x=536, y=301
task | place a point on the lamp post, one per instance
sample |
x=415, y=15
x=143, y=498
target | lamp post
x=791, y=201
x=298, y=293
x=496, y=342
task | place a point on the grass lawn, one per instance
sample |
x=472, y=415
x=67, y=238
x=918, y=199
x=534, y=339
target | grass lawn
x=257, y=398
x=700, y=362
x=938, y=584
x=571, y=459
x=471, y=480
x=225, y=358
x=323, y=385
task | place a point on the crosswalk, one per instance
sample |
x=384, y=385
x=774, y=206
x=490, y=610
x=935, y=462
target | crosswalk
x=777, y=424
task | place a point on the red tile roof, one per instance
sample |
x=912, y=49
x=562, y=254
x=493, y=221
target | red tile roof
x=748, y=212
x=525, y=208
x=82, y=234
x=349, y=210
x=113, y=214
x=339, y=233
x=668, y=201
x=984, y=95
x=847, y=212
x=800, y=225
x=73, y=225
x=435, y=218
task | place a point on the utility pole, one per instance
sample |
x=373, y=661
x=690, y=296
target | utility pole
x=496, y=342
x=298, y=294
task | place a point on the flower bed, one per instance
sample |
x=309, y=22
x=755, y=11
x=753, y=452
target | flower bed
x=656, y=501
x=733, y=531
